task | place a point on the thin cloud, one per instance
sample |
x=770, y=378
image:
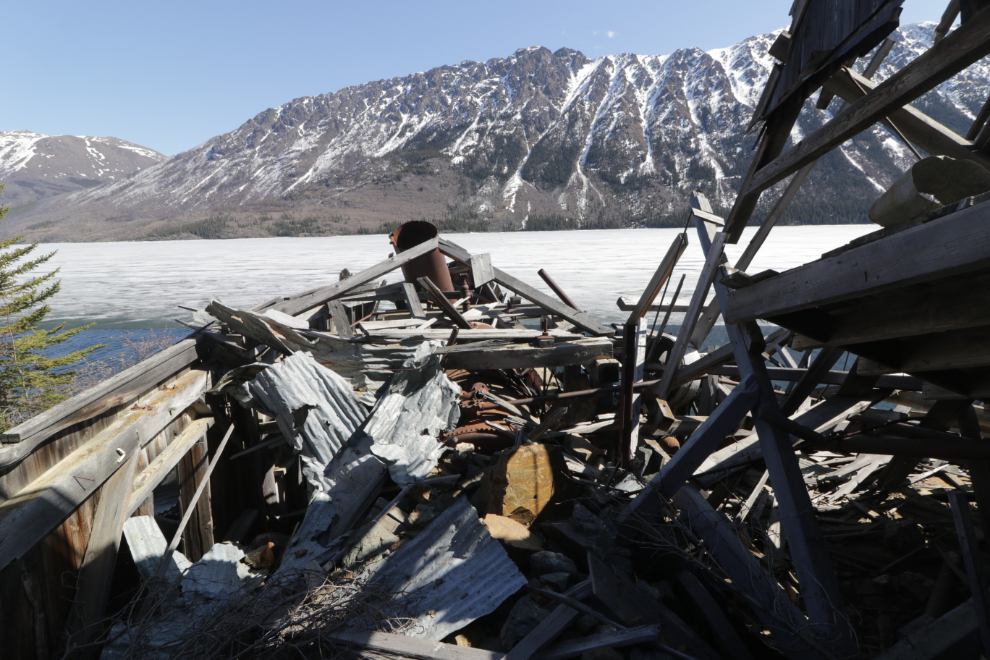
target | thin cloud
x=611, y=34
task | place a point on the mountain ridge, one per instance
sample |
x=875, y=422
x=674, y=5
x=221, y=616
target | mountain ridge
x=538, y=139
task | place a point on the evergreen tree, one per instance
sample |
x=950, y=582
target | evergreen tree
x=30, y=381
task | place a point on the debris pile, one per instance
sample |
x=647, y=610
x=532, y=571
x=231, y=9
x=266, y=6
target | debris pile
x=474, y=485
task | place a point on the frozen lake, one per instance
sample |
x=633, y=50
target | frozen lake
x=140, y=285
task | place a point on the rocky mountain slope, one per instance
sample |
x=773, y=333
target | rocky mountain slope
x=539, y=139
x=35, y=167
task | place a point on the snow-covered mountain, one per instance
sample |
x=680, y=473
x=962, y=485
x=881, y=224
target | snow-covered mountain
x=35, y=166
x=536, y=139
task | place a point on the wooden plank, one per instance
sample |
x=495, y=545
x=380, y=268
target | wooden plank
x=551, y=627
x=481, y=269
x=627, y=304
x=481, y=334
x=148, y=479
x=48, y=500
x=198, y=537
x=822, y=363
x=412, y=300
x=444, y=304
x=937, y=307
x=93, y=586
x=309, y=299
x=963, y=47
x=917, y=127
x=974, y=563
x=115, y=391
x=714, y=258
x=341, y=321
x=893, y=382
x=662, y=274
x=912, y=256
x=522, y=356
x=630, y=401
x=954, y=349
x=578, y=318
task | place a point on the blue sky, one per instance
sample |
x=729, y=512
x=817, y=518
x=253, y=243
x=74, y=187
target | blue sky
x=171, y=75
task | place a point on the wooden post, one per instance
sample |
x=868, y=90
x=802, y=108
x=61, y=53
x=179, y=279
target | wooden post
x=198, y=537
x=819, y=586
x=633, y=369
x=101, y=554
x=412, y=301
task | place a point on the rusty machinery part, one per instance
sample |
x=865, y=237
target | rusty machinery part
x=432, y=264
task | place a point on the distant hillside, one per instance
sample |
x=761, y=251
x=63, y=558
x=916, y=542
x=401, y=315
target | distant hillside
x=537, y=140
x=35, y=167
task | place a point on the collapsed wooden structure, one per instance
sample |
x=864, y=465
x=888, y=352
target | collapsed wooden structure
x=695, y=508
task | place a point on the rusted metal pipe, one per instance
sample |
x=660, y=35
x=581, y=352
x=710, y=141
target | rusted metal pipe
x=556, y=289
x=432, y=264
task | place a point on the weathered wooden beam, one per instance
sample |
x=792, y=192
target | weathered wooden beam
x=117, y=390
x=198, y=537
x=633, y=369
x=551, y=627
x=309, y=299
x=341, y=321
x=822, y=363
x=480, y=334
x=820, y=588
x=578, y=318
x=953, y=349
x=940, y=306
x=715, y=258
x=788, y=374
x=775, y=135
x=965, y=46
x=481, y=269
x=917, y=127
x=148, y=479
x=41, y=506
x=522, y=356
x=440, y=299
x=412, y=301
x=93, y=586
x=662, y=274
x=912, y=256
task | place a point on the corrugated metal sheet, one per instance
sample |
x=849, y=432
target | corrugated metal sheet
x=448, y=576
x=349, y=479
x=406, y=422
x=147, y=545
x=316, y=410
x=218, y=574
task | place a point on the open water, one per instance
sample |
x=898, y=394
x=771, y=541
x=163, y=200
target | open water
x=131, y=290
